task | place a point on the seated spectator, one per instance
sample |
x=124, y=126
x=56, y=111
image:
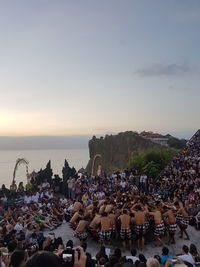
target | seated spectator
x=142, y=259
x=165, y=255
x=157, y=257
x=194, y=253
x=185, y=255
x=152, y=262
x=117, y=253
x=113, y=260
x=4, y=259
x=12, y=245
x=18, y=258
x=43, y=258
x=102, y=262
x=89, y=261
x=133, y=255
x=197, y=218
x=101, y=254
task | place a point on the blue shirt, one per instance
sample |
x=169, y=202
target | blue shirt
x=164, y=258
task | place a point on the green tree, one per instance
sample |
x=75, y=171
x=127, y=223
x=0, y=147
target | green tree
x=151, y=161
x=176, y=143
x=151, y=169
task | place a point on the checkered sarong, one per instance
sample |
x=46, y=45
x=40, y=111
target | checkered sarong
x=159, y=229
x=147, y=225
x=140, y=229
x=93, y=230
x=172, y=228
x=81, y=235
x=72, y=225
x=113, y=229
x=125, y=233
x=179, y=218
x=184, y=223
x=105, y=235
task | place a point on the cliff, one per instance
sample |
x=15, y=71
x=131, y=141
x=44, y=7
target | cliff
x=113, y=151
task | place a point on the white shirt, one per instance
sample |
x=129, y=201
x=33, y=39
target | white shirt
x=123, y=174
x=70, y=183
x=35, y=198
x=144, y=178
x=101, y=194
x=24, y=208
x=50, y=196
x=70, y=207
x=45, y=185
x=123, y=184
x=40, y=212
x=18, y=227
x=29, y=233
x=63, y=201
x=27, y=199
x=141, y=179
x=133, y=258
x=187, y=257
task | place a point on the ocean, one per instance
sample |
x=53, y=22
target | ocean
x=37, y=160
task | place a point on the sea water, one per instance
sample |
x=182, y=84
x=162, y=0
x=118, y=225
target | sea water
x=38, y=159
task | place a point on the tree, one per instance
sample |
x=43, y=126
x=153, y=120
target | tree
x=176, y=143
x=151, y=169
x=151, y=161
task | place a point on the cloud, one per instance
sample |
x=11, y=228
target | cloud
x=164, y=69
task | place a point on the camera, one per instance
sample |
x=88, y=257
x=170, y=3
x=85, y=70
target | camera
x=68, y=255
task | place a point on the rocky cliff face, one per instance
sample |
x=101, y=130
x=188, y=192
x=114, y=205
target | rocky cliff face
x=113, y=151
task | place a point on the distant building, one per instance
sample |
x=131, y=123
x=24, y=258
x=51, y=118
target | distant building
x=155, y=137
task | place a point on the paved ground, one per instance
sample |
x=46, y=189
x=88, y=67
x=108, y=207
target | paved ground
x=150, y=250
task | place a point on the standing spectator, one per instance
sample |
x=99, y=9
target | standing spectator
x=143, y=183
x=70, y=183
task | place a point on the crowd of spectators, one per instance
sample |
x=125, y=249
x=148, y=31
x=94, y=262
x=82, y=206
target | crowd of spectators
x=59, y=255
x=118, y=207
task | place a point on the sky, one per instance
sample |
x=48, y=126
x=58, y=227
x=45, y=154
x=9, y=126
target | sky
x=74, y=67
x=43, y=142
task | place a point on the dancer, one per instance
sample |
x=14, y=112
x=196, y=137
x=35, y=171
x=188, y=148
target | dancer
x=125, y=231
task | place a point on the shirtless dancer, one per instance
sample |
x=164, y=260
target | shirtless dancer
x=77, y=215
x=140, y=228
x=80, y=231
x=159, y=228
x=77, y=206
x=112, y=216
x=95, y=224
x=105, y=231
x=168, y=213
x=182, y=220
x=125, y=231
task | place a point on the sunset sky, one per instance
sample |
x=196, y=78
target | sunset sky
x=84, y=67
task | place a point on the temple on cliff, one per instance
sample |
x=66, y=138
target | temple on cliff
x=156, y=138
